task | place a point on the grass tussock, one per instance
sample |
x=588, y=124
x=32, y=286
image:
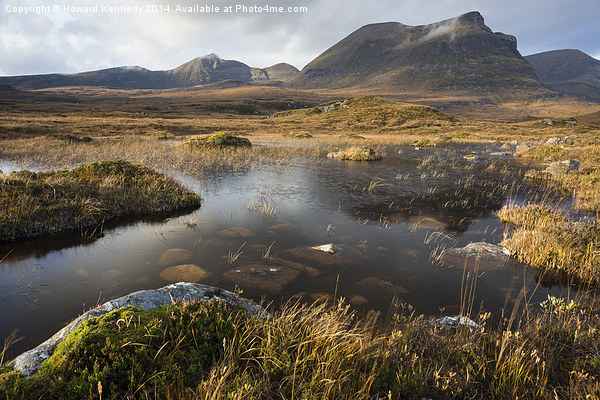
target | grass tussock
x=36, y=203
x=424, y=142
x=359, y=153
x=211, y=351
x=220, y=139
x=547, y=239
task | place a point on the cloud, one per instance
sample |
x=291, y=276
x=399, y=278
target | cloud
x=161, y=39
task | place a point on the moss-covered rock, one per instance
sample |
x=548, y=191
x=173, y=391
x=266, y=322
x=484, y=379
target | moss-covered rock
x=220, y=139
x=131, y=353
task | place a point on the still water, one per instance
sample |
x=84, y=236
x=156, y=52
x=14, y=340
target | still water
x=255, y=228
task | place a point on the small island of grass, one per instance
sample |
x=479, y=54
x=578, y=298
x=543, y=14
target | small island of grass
x=37, y=203
x=220, y=139
x=359, y=153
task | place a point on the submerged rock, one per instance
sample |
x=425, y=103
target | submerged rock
x=321, y=296
x=174, y=256
x=505, y=146
x=30, y=361
x=358, y=300
x=236, y=231
x=342, y=255
x=270, y=277
x=184, y=273
x=112, y=274
x=385, y=286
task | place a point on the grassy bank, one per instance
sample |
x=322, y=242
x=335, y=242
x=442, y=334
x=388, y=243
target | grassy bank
x=547, y=239
x=36, y=203
x=582, y=184
x=212, y=351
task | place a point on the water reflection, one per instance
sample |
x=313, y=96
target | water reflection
x=255, y=230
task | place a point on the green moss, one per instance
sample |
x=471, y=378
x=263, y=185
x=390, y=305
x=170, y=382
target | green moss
x=132, y=352
x=220, y=139
x=35, y=203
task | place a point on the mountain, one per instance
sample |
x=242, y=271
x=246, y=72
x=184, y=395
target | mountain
x=202, y=70
x=461, y=53
x=568, y=71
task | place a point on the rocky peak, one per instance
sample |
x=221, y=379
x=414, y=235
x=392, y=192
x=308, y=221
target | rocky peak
x=473, y=17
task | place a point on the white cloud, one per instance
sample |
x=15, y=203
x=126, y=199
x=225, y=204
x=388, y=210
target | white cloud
x=62, y=42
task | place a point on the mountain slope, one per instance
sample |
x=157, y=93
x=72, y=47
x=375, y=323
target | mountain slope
x=457, y=54
x=569, y=71
x=202, y=70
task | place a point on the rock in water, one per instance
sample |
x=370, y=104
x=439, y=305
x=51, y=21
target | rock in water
x=236, y=231
x=327, y=248
x=358, y=300
x=477, y=255
x=269, y=277
x=184, y=273
x=174, y=256
x=342, y=255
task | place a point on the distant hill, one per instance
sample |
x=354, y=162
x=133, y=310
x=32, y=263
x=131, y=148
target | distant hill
x=7, y=89
x=365, y=113
x=569, y=71
x=202, y=70
x=461, y=53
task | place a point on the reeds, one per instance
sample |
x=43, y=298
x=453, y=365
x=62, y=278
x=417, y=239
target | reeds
x=320, y=351
x=548, y=239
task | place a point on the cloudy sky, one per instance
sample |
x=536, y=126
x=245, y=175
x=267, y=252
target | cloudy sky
x=44, y=36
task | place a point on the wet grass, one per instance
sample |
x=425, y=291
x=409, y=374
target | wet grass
x=37, y=203
x=212, y=351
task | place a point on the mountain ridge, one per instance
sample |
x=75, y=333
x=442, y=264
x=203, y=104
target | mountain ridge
x=569, y=71
x=460, y=53
x=201, y=70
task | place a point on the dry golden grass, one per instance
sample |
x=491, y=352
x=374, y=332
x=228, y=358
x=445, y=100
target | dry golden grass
x=548, y=239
